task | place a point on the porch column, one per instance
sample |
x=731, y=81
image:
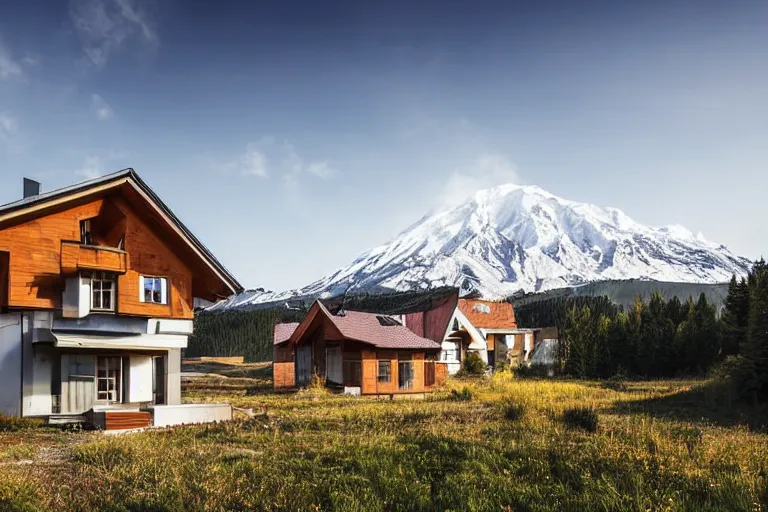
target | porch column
x=173, y=377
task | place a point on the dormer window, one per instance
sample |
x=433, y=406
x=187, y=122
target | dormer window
x=154, y=290
x=102, y=292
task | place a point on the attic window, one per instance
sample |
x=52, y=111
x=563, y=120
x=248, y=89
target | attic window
x=482, y=308
x=85, y=232
x=387, y=321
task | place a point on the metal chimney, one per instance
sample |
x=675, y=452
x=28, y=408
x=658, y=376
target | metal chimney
x=31, y=188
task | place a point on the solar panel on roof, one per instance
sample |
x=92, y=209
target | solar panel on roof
x=387, y=321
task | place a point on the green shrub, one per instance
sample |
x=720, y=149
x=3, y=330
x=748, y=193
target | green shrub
x=514, y=411
x=473, y=365
x=464, y=394
x=584, y=418
x=502, y=365
x=534, y=371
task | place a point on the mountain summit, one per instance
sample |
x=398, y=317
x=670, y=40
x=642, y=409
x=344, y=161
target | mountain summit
x=511, y=238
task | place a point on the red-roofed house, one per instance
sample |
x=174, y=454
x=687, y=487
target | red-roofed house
x=364, y=353
x=488, y=328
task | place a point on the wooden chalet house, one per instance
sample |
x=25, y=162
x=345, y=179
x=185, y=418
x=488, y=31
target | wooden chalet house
x=98, y=283
x=359, y=353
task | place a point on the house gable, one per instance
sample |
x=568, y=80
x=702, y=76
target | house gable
x=42, y=240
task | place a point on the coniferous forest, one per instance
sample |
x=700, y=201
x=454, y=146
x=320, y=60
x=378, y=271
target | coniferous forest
x=249, y=333
x=664, y=338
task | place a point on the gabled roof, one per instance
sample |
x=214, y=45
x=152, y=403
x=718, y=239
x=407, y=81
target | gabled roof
x=381, y=331
x=114, y=180
x=485, y=314
x=283, y=331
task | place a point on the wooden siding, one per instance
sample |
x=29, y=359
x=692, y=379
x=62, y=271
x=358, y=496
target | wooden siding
x=372, y=386
x=433, y=323
x=150, y=256
x=35, y=248
x=284, y=375
x=122, y=420
x=4, y=261
x=283, y=369
x=441, y=374
x=76, y=257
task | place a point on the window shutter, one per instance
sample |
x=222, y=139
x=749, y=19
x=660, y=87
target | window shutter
x=163, y=291
x=141, y=288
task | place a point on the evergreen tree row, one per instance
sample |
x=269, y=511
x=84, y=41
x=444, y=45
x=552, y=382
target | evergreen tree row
x=250, y=333
x=745, y=333
x=657, y=338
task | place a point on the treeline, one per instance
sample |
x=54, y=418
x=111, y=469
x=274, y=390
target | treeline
x=249, y=333
x=656, y=338
x=664, y=338
x=238, y=333
x=745, y=334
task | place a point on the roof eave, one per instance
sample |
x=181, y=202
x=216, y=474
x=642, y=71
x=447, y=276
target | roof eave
x=129, y=175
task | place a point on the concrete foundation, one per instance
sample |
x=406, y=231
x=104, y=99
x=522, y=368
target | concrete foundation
x=168, y=415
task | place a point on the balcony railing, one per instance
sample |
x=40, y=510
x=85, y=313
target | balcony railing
x=76, y=257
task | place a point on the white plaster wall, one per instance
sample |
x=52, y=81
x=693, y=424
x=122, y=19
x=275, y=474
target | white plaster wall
x=167, y=415
x=40, y=401
x=10, y=364
x=37, y=361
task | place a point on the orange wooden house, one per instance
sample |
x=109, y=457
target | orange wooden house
x=98, y=283
x=361, y=353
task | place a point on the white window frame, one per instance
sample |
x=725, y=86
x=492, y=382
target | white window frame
x=112, y=364
x=100, y=278
x=160, y=281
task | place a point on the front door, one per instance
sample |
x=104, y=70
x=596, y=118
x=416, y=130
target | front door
x=78, y=383
x=303, y=364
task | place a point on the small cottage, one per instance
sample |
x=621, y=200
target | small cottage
x=357, y=353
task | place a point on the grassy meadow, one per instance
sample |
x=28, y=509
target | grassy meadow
x=487, y=444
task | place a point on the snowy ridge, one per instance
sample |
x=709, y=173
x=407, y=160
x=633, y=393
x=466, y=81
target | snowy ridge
x=511, y=238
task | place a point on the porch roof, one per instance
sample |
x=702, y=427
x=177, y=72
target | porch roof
x=283, y=331
x=124, y=342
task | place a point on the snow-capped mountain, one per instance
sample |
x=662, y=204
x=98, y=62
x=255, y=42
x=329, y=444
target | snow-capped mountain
x=511, y=238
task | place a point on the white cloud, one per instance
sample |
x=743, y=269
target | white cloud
x=92, y=167
x=105, y=25
x=9, y=68
x=321, y=170
x=268, y=157
x=253, y=163
x=487, y=170
x=10, y=133
x=101, y=108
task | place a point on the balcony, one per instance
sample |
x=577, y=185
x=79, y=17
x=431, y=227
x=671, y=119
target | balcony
x=76, y=257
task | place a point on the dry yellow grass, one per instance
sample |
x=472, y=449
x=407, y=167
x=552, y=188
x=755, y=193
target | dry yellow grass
x=665, y=445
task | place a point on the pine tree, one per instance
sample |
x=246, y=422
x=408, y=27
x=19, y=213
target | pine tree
x=755, y=348
x=735, y=317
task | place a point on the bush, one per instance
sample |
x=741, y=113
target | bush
x=502, y=365
x=534, y=371
x=584, y=418
x=514, y=411
x=473, y=365
x=464, y=394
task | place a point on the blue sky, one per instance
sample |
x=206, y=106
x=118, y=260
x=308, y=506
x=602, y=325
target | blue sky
x=292, y=136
